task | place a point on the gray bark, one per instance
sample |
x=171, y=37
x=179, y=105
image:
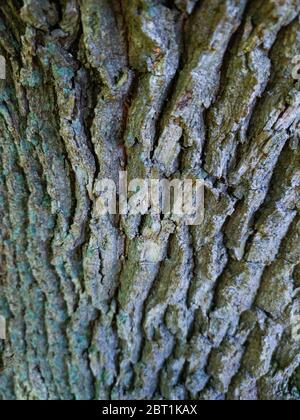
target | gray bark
x=148, y=307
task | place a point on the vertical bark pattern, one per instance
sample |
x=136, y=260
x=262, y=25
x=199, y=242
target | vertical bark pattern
x=146, y=307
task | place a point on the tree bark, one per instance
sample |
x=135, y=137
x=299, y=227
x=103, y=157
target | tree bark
x=147, y=307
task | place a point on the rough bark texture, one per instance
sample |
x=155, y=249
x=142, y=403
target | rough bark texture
x=144, y=307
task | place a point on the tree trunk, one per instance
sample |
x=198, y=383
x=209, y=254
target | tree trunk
x=148, y=307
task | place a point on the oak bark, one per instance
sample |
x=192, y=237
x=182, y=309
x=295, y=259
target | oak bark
x=120, y=307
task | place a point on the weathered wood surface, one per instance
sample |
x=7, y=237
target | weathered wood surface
x=139, y=307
